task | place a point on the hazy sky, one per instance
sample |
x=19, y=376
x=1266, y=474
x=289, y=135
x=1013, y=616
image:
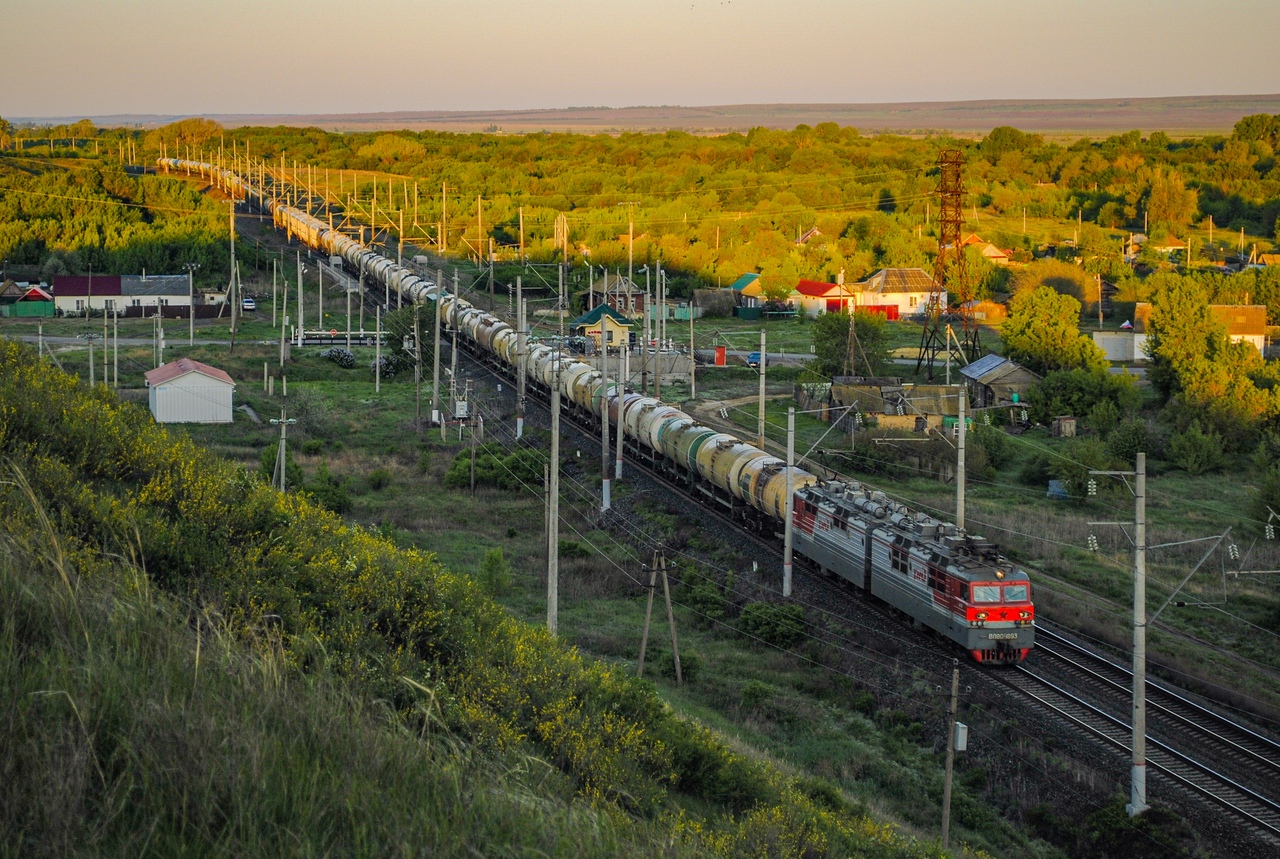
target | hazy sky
x=96, y=57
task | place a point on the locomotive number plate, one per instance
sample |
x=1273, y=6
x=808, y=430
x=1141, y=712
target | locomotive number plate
x=1002, y=636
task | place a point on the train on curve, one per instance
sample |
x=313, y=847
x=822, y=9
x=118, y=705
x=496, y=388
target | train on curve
x=943, y=578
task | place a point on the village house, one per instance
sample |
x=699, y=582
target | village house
x=620, y=293
x=603, y=325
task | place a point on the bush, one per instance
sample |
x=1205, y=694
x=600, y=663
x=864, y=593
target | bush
x=379, y=478
x=993, y=442
x=1129, y=439
x=781, y=625
x=705, y=597
x=494, y=574
x=267, y=466
x=342, y=357
x=1103, y=417
x=312, y=446
x=390, y=364
x=330, y=490
x=756, y=693
x=1266, y=497
x=495, y=466
x=1196, y=452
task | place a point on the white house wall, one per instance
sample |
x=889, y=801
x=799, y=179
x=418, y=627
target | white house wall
x=193, y=398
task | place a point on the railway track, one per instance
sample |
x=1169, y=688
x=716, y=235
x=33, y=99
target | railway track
x=1193, y=748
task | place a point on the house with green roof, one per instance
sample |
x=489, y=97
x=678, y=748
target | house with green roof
x=603, y=324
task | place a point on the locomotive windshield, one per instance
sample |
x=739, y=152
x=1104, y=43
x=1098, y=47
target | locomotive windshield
x=986, y=593
x=1015, y=593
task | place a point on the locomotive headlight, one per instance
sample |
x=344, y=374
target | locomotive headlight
x=1024, y=614
x=982, y=615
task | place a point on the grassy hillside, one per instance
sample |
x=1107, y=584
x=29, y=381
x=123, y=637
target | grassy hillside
x=326, y=665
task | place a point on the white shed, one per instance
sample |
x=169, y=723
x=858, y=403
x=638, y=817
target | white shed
x=187, y=391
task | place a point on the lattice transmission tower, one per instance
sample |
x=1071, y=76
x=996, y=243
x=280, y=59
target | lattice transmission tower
x=949, y=275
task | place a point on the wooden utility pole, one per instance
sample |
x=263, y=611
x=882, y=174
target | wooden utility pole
x=659, y=563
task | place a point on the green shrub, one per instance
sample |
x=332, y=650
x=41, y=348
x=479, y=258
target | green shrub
x=569, y=549
x=495, y=466
x=267, y=466
x=993, y=442
x=1103, y=417
x=494, y=574
x=330, y=490
x=1196, y=452
x=705, y=597
x=1129, y=439
x=312, y=446
x=424, y=461
x=379, y=478
x=756, y=693
x=779, y=624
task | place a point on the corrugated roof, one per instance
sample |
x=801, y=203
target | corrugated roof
x=1248, y=320
x=744, y=281
x=814, y=288
x=156, y=284
x=591, y=317
x=898, y=280
x=983, y=366
x=182, y=367
x=78, y=285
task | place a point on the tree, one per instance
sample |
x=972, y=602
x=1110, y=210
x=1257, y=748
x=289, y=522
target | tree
x=1169, y=201
x=1043, y=333
x=1059, y=276
x=831, y=343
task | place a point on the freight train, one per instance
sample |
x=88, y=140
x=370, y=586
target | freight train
x=941, y=577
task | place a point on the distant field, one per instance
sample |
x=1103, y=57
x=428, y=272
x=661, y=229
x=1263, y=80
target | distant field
x=1182, y=115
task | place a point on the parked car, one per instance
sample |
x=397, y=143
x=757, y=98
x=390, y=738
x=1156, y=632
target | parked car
x=248, y=303
x=753, y=360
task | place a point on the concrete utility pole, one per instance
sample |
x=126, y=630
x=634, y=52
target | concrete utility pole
x=301, y=318
x=619, y=393
x=961, y=396
x=435, y=368
x=553, y=513
x=787, y=531
x=604, y=420
x=1138, y=771
x=191, y=297
x=417, y=369
x=693, y=385
x=377, y=353
x=951, y=753
x=522, y=331
x=1138, y=787
x=644, y=347
x=760, y=421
